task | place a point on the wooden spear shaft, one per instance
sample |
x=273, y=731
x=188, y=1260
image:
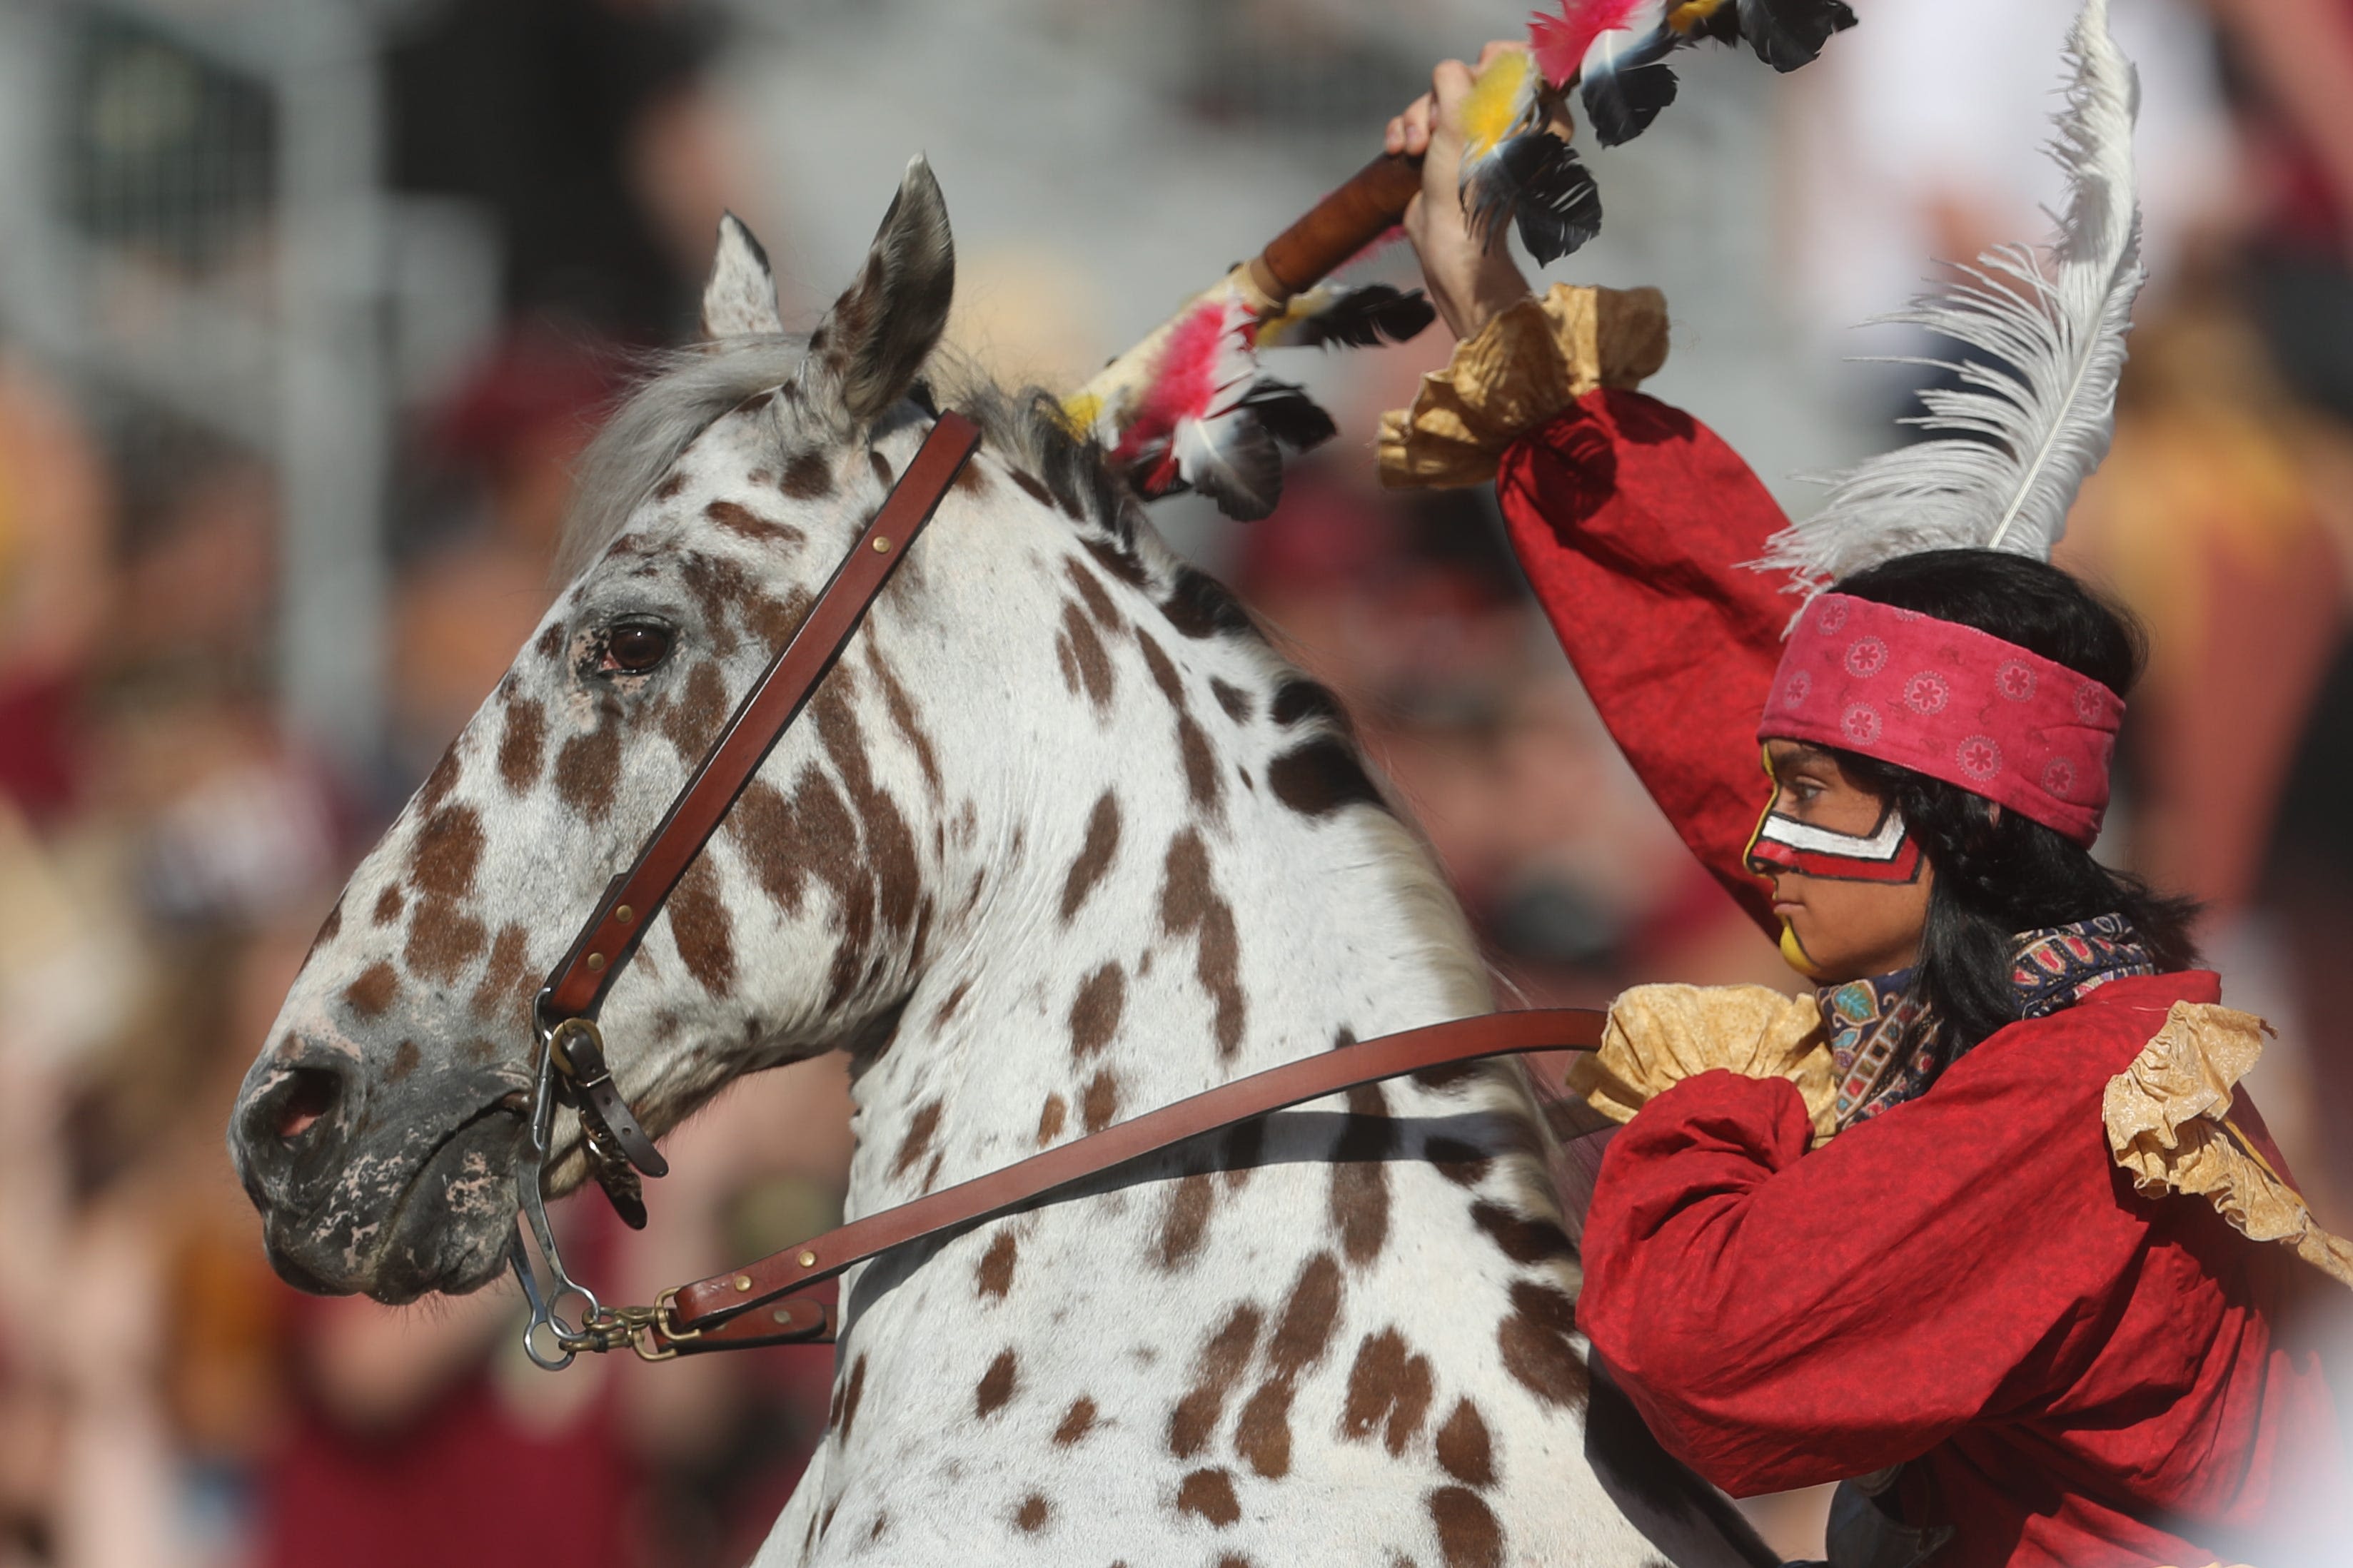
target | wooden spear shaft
x=1368, y=205
x=1371, y=203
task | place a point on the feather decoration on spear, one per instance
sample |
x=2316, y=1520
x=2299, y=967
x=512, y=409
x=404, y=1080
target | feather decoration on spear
x=1615, y=54
x=1186, y=409
x=1329, y=316
x=1515, y=169
x=2027, y=426
x=1616, y=50
x=1786, y=34
x=1206, y=418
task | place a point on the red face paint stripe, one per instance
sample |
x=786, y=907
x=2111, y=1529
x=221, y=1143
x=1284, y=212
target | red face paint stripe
x=1785, y=845
x=1769, y=857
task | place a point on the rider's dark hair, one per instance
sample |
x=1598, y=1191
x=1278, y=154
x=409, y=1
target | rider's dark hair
x=1999, y=874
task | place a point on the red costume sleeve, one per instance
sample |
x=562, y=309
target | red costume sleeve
x=1784, y=1322
x=1631, y=519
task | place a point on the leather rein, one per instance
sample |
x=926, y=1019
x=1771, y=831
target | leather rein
x=765, y=1303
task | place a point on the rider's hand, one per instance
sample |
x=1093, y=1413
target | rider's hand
x=1468, y=284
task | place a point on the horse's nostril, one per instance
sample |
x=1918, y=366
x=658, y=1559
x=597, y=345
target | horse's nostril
x=311, y=1095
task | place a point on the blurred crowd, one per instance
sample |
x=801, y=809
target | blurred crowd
x=169, y=841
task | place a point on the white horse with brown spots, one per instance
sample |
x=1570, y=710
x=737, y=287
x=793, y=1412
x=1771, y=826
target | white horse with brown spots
x=1061, y=840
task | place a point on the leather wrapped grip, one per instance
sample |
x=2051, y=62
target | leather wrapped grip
x=1372, y=202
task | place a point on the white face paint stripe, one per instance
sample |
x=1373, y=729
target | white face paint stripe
x=1883, y=844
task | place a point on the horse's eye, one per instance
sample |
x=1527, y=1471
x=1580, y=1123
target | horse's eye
x=634, y=647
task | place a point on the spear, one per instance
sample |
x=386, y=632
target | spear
x=1188, y=407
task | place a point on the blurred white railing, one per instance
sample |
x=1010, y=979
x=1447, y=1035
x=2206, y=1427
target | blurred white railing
x=194, y=220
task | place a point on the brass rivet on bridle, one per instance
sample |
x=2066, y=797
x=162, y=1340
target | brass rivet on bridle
x=743, y=1281
x=808, y=1259
x=596, y=963
x=625, y=914
x=782, y=1314
x=881, y=545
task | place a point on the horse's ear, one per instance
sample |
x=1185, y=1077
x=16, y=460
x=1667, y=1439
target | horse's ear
x=740, y=300
x=870, y=345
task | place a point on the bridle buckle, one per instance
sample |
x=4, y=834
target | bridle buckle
x=665, y=1317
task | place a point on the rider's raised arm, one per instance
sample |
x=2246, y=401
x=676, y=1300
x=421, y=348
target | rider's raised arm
x=1631, y=519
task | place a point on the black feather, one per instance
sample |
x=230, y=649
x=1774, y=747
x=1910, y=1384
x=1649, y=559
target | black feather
x=1787, y=34
x=1363, y=318
x=1289, y=415
x=1620, y=104
x=1236, y=459
x=1488, y=201
x=1557, y=203
x=1722, y=26
x=1238, y=465
x=1537, y=179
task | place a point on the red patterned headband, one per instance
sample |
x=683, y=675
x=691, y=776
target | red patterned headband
x=1952, y=703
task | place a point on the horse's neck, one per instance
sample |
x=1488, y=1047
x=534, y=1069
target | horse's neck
x=1225, y=959
x=1136, y=946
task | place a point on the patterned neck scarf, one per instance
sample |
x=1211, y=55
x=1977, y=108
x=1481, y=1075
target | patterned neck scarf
x=1885, y=1041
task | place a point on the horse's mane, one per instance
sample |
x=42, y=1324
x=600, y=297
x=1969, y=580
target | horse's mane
x=683, y=393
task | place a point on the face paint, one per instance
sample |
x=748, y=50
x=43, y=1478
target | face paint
x=1784, y=844
x=1794, y=954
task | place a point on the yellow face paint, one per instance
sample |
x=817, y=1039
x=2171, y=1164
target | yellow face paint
x=1793, y=954
x=1498, y=100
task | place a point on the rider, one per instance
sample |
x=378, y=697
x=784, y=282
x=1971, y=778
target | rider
x=1893, y=1248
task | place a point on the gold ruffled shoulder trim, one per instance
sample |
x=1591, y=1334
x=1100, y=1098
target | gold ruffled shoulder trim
x=1517, y=372
x=1658, y=1036
x=2168, y=1119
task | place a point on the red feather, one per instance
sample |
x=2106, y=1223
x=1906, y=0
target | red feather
x=1561, y=43
x=1183, y=380
x=1202, y=371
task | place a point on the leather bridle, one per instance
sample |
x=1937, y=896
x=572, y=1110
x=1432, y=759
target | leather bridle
x=764, y=1303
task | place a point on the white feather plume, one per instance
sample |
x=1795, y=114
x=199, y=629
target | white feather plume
x=2030, y=427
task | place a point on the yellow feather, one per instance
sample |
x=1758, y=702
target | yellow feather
x=1080, y=410
x=1500, y=99
x=1274, y=330
x=1691, y=13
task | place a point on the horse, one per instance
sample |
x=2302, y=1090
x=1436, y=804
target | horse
x=1062, y=838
